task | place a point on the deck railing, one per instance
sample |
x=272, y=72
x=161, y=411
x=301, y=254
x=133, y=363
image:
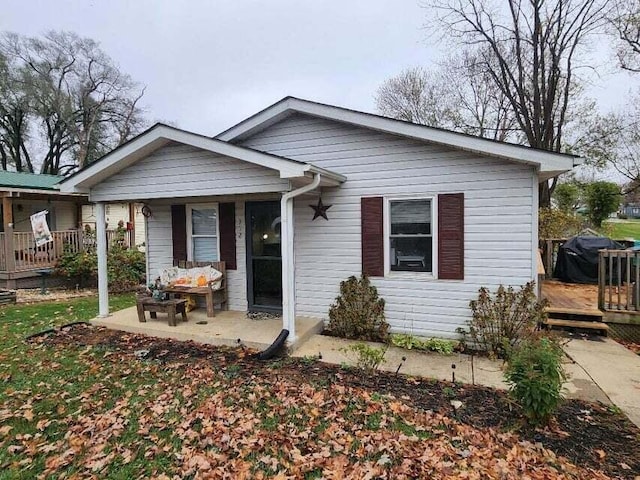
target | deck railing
x=619, y=280
x=549, y=249
x=3, y=260
x=27, y=256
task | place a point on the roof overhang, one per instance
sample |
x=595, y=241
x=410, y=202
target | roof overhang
x=547, y=162
x=161, y=135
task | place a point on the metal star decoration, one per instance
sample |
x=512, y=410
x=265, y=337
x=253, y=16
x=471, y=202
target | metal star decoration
x=320, y=210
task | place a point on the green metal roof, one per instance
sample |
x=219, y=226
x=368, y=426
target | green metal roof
x=29, y=180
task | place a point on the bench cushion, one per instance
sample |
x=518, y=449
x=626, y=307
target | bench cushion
x=191, y=277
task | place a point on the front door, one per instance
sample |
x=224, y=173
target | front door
x=264, y=261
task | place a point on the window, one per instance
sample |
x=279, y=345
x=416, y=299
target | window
x=411, y=235
x=202, y=233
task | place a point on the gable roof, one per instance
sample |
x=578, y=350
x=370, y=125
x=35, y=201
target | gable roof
x=550, y=163
x=33, y=181
x=160, y=135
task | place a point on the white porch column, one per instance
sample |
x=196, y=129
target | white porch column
x=101, y=240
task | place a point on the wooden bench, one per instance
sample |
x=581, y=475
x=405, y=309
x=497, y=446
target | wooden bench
x=170, y=307
x=209, y=294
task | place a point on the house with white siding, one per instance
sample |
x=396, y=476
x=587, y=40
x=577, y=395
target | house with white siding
x=430, y=215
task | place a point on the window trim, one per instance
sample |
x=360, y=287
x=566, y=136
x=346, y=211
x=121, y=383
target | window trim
x=386, y=215
x=189, y=208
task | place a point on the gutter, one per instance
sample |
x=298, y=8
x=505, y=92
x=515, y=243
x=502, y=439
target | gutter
x=288, y=266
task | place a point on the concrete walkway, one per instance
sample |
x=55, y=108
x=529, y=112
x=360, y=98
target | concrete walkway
x=431, y=365
x=614, y=368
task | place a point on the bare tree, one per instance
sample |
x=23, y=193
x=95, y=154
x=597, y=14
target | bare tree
x=14, y=119
x=530, y=49
x=82, y=104
x=625, y=20
x=415, y=95
x=456, y=95
x=624, y=154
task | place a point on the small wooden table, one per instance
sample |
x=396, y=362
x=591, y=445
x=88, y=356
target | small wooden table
x=170, y=307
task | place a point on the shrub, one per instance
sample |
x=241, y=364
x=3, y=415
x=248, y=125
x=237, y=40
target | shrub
x=439, y=345
x=367, y=358
x=555, y=223
x=499, y=323
x=358, y=312
x=126, y=268
x=535, y=374
x=80, y=265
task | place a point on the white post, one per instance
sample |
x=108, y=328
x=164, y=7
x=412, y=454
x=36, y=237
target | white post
x=288, y=265
x=101, y=240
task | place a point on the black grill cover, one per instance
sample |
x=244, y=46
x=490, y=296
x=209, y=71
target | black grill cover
x=578, y=258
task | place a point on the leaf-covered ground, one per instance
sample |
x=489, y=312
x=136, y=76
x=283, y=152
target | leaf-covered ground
x=90, y=403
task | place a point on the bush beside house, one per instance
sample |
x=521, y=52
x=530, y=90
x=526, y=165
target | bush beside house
x=126, y=267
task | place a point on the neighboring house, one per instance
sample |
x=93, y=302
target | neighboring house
x=24, y=194
x=130, y=214
x=631, y=210
x=430, y=215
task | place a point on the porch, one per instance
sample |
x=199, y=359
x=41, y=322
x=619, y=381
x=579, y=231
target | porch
x=21, y=258
x=226, y=328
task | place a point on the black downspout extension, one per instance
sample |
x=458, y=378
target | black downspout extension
x=275, y=347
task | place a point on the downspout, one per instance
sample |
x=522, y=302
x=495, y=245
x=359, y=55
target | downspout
x=288, y=265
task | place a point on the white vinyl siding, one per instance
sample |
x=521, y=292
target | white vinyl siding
x=160, y=250
x=184, y=171
x=159, y=246
x=499, y=207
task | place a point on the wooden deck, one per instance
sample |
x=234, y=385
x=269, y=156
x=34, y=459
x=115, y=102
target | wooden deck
x=571, y=297
x=573, y=306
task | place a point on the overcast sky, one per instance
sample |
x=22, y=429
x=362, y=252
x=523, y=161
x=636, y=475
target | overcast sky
x=210, y=64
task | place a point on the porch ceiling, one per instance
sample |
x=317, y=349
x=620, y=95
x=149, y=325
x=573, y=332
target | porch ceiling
x=160, y=135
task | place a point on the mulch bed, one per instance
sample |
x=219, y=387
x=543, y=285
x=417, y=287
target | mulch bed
x=634, y=347
x=588, y=434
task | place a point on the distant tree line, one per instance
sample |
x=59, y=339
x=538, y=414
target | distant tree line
x=63, y=103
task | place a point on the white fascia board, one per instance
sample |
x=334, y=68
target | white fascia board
x=113, y=162
x=257, y=122
x=548, y=161
x=17, y=191
x=162, y=135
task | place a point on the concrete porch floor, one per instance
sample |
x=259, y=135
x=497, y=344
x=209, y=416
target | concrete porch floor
x=224, y=329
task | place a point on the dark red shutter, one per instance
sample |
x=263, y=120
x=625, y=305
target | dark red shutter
x=179, y=232
x=227, y=222
x=451, y=236
x=372, y=236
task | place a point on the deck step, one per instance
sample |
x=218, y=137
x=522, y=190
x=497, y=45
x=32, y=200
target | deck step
x=585, y=312
x=555, y=322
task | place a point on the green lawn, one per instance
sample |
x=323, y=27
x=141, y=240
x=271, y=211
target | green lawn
x=73, y=410
x=623, y=229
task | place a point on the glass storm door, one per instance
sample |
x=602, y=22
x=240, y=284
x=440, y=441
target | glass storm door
x=264, y=261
